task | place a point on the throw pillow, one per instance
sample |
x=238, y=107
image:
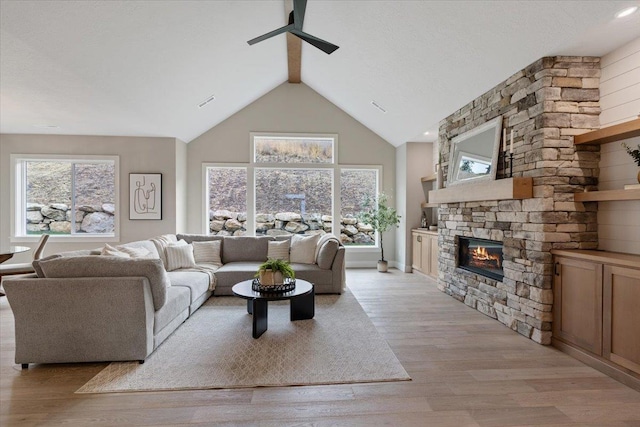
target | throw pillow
x=207, y=252
x=327, y=253
x=303, y=248
x=279, y=250
x=180, y=256
x=109, y=250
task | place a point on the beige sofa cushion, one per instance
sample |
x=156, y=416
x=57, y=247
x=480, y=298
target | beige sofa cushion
x=207, y=252
x=180, y=256
x=279, y=250
x=303, y=248
x=102, y=266
x=245, y=249
x=327, y=253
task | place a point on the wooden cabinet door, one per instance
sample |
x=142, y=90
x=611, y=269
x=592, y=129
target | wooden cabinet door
x=426, y=254
x=433, y=264
x=622, y=316
x=416, y=261
x=577, y=305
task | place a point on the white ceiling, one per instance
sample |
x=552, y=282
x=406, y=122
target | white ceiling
x=141, y=68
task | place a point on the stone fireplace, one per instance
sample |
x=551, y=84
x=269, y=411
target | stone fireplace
x=545, y=105
x=481, y=256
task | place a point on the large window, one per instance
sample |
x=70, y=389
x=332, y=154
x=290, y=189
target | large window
x=291, y=201
x=292, y=185
x=227, y=189
x=274, y=149
x=356, y=187
x=65, y=196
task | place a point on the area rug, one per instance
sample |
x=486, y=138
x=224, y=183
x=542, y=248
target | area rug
x=214, y=349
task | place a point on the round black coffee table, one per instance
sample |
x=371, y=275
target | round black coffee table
x=302, y=303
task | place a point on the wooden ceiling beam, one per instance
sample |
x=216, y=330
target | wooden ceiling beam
x=294, y=49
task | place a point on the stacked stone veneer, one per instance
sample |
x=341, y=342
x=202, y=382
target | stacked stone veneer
x=545, y=104
x=227, y=223
x=59, y=217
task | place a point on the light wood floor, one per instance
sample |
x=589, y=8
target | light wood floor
x=467, y=370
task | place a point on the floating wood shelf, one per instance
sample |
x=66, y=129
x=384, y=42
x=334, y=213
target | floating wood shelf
x=429, y=178
x=501, y=189
x=613, y=133
x=428, y=205
x=605, y=196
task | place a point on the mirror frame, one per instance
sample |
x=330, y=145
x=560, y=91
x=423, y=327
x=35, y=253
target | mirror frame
x=454, y=152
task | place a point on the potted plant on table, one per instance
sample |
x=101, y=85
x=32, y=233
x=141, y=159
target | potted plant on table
x=381, y=218
x=273, y=272
x=635, y=155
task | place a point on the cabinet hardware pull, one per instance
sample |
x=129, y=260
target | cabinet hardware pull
x=419, y=238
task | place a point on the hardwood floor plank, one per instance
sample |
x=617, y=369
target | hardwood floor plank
x=466, y=369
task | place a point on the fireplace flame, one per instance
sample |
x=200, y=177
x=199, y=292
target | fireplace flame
x=481, y=254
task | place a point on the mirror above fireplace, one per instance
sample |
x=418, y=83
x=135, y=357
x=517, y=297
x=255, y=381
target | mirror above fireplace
x=474, y=154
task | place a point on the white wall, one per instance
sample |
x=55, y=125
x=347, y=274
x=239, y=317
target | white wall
x=401, y=206
x=619, y=222
x=413, y=161
x=137, y=154
x=290, y=108
x=181, y=186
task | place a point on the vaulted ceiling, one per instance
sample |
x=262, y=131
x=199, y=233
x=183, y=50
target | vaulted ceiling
x=142, y=67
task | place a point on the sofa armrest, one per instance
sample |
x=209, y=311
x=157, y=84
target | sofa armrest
x=66, y=320
x=338, y=269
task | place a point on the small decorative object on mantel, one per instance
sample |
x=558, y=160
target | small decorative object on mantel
x=635, y=155
x=274, y=272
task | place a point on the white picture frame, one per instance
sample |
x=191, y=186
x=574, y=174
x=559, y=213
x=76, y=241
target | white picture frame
x=145, y=196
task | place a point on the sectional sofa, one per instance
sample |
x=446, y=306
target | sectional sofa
x=85, y=307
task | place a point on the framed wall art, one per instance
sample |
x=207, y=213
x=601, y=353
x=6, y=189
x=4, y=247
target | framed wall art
x=145, y=196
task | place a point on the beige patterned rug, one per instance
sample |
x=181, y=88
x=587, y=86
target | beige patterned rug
x=214, y=349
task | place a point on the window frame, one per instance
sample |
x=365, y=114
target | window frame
x=252, y=165
x=207, y=199
x=18, y=204
x=363, y=248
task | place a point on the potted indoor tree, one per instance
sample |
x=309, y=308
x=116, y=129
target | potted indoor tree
x=273, y=272
x=635, y=155
x=381, y=218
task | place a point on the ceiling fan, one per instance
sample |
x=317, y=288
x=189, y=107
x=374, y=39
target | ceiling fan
x=296, y=18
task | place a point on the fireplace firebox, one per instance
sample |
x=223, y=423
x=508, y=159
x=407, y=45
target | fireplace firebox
x=481, y=256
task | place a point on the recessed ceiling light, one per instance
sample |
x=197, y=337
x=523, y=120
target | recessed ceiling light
x=378, y=106
x=46, y=126
x=426, y=133
x=626, y=12
x=206, y=101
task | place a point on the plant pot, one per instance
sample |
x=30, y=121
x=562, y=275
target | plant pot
x=271, y=278
x=638, y=176
x=383, y=266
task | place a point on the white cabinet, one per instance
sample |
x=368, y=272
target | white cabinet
x=425, y=252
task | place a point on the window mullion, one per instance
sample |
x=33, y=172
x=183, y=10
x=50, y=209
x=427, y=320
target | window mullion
x=73, y=199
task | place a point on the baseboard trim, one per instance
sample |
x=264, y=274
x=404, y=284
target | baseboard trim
x=616, y=372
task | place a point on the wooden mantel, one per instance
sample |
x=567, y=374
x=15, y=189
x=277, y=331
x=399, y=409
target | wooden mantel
x=501, y=189
x=613, y=133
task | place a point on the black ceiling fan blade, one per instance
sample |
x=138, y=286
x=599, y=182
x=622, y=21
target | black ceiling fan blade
x=299, y=7
x=323, y=45
x=271, y=34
